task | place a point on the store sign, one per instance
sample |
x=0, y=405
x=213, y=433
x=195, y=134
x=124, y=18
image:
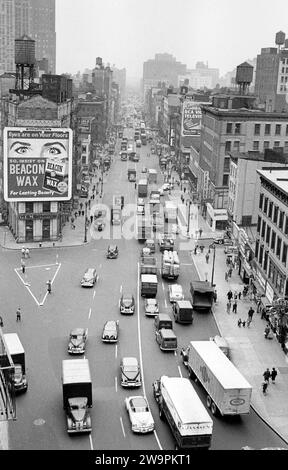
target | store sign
x=191, y=118
x=37, y=164
x=41, y=216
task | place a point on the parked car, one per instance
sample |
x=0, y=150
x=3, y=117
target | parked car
x=130, y=372
x=139, y=413
x=90, y=278
x=175, y=292
x=140, y=210
x=127, y=304
x=151, y=307
x=77, y=341
x=110, y=331
x=112, y=252
x=99, y=225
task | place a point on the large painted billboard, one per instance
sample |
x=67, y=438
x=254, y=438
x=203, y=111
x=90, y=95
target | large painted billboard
x=191, y=118
x=37, y=164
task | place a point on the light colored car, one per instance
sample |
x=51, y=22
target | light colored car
x=175, y=229
x=175, y=292
x=164, y=188
x=127, y=304
x=130, y=372
x=77, y=341
x=151, y=307
x=110, y=331
x=140, y=210
x=90, y=278
x=140, y=201
x=139, y=413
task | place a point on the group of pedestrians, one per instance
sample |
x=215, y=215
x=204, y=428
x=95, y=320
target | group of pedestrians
x=267, y=375
x=232, y=302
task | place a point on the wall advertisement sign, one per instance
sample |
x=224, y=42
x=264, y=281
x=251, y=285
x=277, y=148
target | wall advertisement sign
x=37, y=164
x=191, y=118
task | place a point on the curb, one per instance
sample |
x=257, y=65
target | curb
x=252, y=406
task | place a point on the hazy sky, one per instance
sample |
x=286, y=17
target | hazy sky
x=128, y=32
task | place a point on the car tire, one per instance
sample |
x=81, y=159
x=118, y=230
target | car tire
x=208, y=401
x=214, y=409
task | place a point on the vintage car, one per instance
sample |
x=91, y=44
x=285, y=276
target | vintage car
x=77, y=341
x=151, y=307
x=89, y=278
x=127, y=304
x=175, y=292
x=139, y=413
x=112, y=252
x=110, y=331
x=130, y=372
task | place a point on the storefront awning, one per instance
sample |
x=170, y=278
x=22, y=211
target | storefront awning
x=258, y=287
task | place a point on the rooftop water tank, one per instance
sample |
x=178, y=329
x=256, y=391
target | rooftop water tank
x=25, y=51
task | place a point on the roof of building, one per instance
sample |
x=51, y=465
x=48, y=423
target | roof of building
x=278, y=177
x=255, y=114
x=37, y=102
x=271, y=156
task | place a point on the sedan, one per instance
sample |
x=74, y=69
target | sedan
x=130, y=372
x=99, y=225
x=110, y=331
x=127, y=304
x=151, y=307
x=175, y=292
x=90, y=277
x=139, y=413
x=77, y=341
x=144, y=170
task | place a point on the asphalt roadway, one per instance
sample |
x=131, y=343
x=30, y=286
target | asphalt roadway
x=48, y=319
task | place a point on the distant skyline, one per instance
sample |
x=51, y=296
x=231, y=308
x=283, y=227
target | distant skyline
x=126, y=33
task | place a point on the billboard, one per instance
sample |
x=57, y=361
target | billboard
x=191, y=118
x=37, y=164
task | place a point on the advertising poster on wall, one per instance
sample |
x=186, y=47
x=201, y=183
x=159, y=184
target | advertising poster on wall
x=37, y=164
x=191, y=118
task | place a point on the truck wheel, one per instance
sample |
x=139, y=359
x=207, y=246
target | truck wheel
x=161, y=415
x=208, y=401
x=192, y=375
x=214, y=409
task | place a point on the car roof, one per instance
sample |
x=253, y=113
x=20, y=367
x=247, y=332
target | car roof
x=175, y=287
x=110, y=324
x=77, y=331
x=112, y=247
x=127, y=295
x=129, y=361
x=90, y=271
x=151, y=301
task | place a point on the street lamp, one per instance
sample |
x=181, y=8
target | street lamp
x=213, y=265
x=188, y=202
x=85, y=222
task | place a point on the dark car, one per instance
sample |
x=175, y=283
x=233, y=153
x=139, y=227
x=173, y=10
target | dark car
x=127, y=304
x=110, y=331
x=130, y=372
x=77, y=341
x=112, y=252
x=99, y=225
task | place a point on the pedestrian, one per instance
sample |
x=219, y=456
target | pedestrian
x=23, y=265
x=230, y=271
x=258, y=306
x=72, y=220
x=75, y=214
x=79, y=212
x=234, y=309
x=239, y=295
x=229, y=295
x=273, y=375
x=267, y=331
x=215, y=296
x=23, y=252
x=18, y=314
x=91, y=219
x=239, y=323
x=200, y=232
x=207, y=258
x=263, y=313
x=81, y=205
x=244, y=323
x=184, y=190
x=82, y=212
x=27, y=253
x=89, y=203
x=250, y=313
x=49, y=286
x=267, y=375
x=1, y=322
x=228, y=306
x=226, y=276
x=201, y=248
x=264, y=387
x=135, y=185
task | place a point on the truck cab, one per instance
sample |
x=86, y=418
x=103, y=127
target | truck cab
x=78, y=415
x=17, y=354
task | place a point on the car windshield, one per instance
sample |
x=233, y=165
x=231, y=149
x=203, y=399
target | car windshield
x=151, y=302
x=127, y=299
x=131, y=368
x=139, y=405
x=78, y=336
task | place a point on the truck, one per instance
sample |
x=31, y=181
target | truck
x=142, y=188
x=183, y=311
x=152, y=175
x=179, y=404
x=166, y=242
x=148, y=285
x=115, y=216
x=106, y=163
x=202, y=294
x=170, y=212
x=170, y=265
x=143, y=228
x=17, y=353
x=131, y=174
x=228, y=392
x=77, y=395
x=148, y=264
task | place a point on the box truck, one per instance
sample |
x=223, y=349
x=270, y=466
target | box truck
x=188, y=419
x=142, y=188
x=228, y=392
x=202, y=294
x=17, y=354
x=170, y=212
x=148, y=285
x=77, y=394
x=170, y=265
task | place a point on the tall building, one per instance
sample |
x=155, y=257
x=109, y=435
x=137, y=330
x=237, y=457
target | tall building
x=271, y=82
x=164, y=68
x=43, y=30
x=119, y=77
x=200, y=77
x=7, y=34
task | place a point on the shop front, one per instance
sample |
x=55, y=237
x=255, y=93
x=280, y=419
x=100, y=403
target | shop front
x=216, y=218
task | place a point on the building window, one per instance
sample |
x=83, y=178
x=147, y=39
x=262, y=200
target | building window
x=281, y=220
x=286, y=226
x=265, y=205
x=286, y=147
x=226, y=164
x=284, y=254
x=46, y=206
x=257, y=129
x=258, y=224
x=265, y=261
x=275, y=217
x=256, y=248
x=261, y=200
x=268, y=232
x=267, y=129
x=266, y=144
x=286, y=129
x=227, y=146
x=256, y=145
x=260, y=259
x=263, y=229
x=236, y=145
x=270, y=210
x=276, y=143
x=238, y=128
x=29, y=207
x=229, y=128
x=278, y=248
x=225, y=180
x=278, y=129
x=273, y=236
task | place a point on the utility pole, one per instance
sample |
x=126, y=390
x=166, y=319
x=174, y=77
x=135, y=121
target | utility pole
x=85, y=223
x=188, y=224
x=213, y=265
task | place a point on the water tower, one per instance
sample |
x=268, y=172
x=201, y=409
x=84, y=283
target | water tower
x=279, y=39
x=244, y=77
x=25, y=66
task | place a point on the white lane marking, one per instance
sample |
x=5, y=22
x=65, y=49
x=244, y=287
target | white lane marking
x=163, y=286
x=139, y=341
x=116, y=384
x=116, y=351
x=90, y=311
x=27, y=287
x=91, y=443
x=165, y=301
x=180, y=373
x=94, y=293
x=122, y=426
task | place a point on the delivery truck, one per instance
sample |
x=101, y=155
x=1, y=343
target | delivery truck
x=228, y=392
x=184, y=412
x=143, y=228
x=148, y=285
x=183, y=311
x=148, y=264
x=17, y=353
x=152, y=175
x=142, y=188
x=170, y=265
x=170, y=212
x=132, y=174
x=77, y=395
x=202, y=294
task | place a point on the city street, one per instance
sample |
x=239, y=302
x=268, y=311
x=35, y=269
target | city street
x=47, y=320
